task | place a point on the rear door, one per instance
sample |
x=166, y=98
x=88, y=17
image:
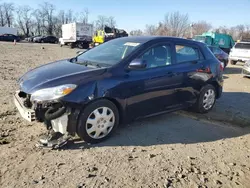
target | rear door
x=190, y=63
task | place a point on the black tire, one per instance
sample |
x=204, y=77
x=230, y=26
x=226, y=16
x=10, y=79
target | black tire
x=81, y=127
x=225, y=63
x=198, y=106
x=232, y=62
x=42, y=41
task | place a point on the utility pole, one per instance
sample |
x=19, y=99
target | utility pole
x=191, y=27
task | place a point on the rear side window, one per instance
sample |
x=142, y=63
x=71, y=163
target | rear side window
x=242, y=45
x=186, y=53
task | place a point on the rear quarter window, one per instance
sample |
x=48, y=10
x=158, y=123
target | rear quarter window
x=187, y=53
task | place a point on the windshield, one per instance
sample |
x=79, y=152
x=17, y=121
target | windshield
x=109, y=53
x=243, y=45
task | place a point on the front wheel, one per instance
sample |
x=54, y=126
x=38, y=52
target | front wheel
x=206, y=99
x=98, y=121
x=233, y=62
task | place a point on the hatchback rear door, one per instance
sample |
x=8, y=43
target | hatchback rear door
x=190, y=63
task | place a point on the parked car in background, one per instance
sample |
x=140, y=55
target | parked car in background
x=220, y=54
x=246, y=69
x=30, y=39
x=46, y=39
x=9, y=37
x=240, y=52
x=119, y=81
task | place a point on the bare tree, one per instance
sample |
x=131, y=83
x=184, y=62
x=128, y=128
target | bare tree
x=233, y=32
x=111, y=22
x=59, y=20
x=47, y=12
x=177, y=24
x=101, y=22
x=161, y=30
x=39, y=21
x=84, y=16
x=2, y=16
x=61, y=17
x=24, y=19
x=8, y=10
x=69, y=16
x=201, y=27
x=150, y=30
x=241, y=30
x=137, y=32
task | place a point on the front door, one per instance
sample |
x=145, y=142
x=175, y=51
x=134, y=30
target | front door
x=152, y=89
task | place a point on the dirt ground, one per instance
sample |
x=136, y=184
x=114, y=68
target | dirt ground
x=164, y=151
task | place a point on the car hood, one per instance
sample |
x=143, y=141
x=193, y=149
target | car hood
x=55, y=73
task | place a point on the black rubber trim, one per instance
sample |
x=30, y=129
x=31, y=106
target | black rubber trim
x=53, y=113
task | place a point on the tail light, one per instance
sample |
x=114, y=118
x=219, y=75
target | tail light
x=221, y=66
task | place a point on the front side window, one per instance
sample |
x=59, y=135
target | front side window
x=158, y=56
x=186, y=54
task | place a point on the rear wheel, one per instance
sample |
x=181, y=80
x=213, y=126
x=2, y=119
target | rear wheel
x=225, y=63
x=206, y=99
x=98, y=121
x=233, y=62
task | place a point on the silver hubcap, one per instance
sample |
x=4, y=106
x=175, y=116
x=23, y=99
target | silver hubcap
x=208, y=99
x=100, y=122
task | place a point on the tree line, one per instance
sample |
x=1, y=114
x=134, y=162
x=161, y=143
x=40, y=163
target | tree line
x=46, y=20
x=179, y=25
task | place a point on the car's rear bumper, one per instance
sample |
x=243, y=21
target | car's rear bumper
x=236, y=58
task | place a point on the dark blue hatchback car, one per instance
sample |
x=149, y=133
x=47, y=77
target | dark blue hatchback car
x=120, y=81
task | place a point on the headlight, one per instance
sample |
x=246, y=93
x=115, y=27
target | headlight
x=52, y=93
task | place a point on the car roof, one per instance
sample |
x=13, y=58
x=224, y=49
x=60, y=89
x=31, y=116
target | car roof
x=210, y=46
x=144, y=39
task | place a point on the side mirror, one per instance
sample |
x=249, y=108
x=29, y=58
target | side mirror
x=137, y=64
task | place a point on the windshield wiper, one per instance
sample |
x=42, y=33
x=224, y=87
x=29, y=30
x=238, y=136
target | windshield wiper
x=87, y=63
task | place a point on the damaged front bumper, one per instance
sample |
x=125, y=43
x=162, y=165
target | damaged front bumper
x=26, y=113
x=54, y=115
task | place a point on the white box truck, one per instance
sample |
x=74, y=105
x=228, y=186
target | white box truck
x=76, y=35
x=8, y=30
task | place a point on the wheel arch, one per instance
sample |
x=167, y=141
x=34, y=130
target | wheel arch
x=118, y=105
x=216, y=86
